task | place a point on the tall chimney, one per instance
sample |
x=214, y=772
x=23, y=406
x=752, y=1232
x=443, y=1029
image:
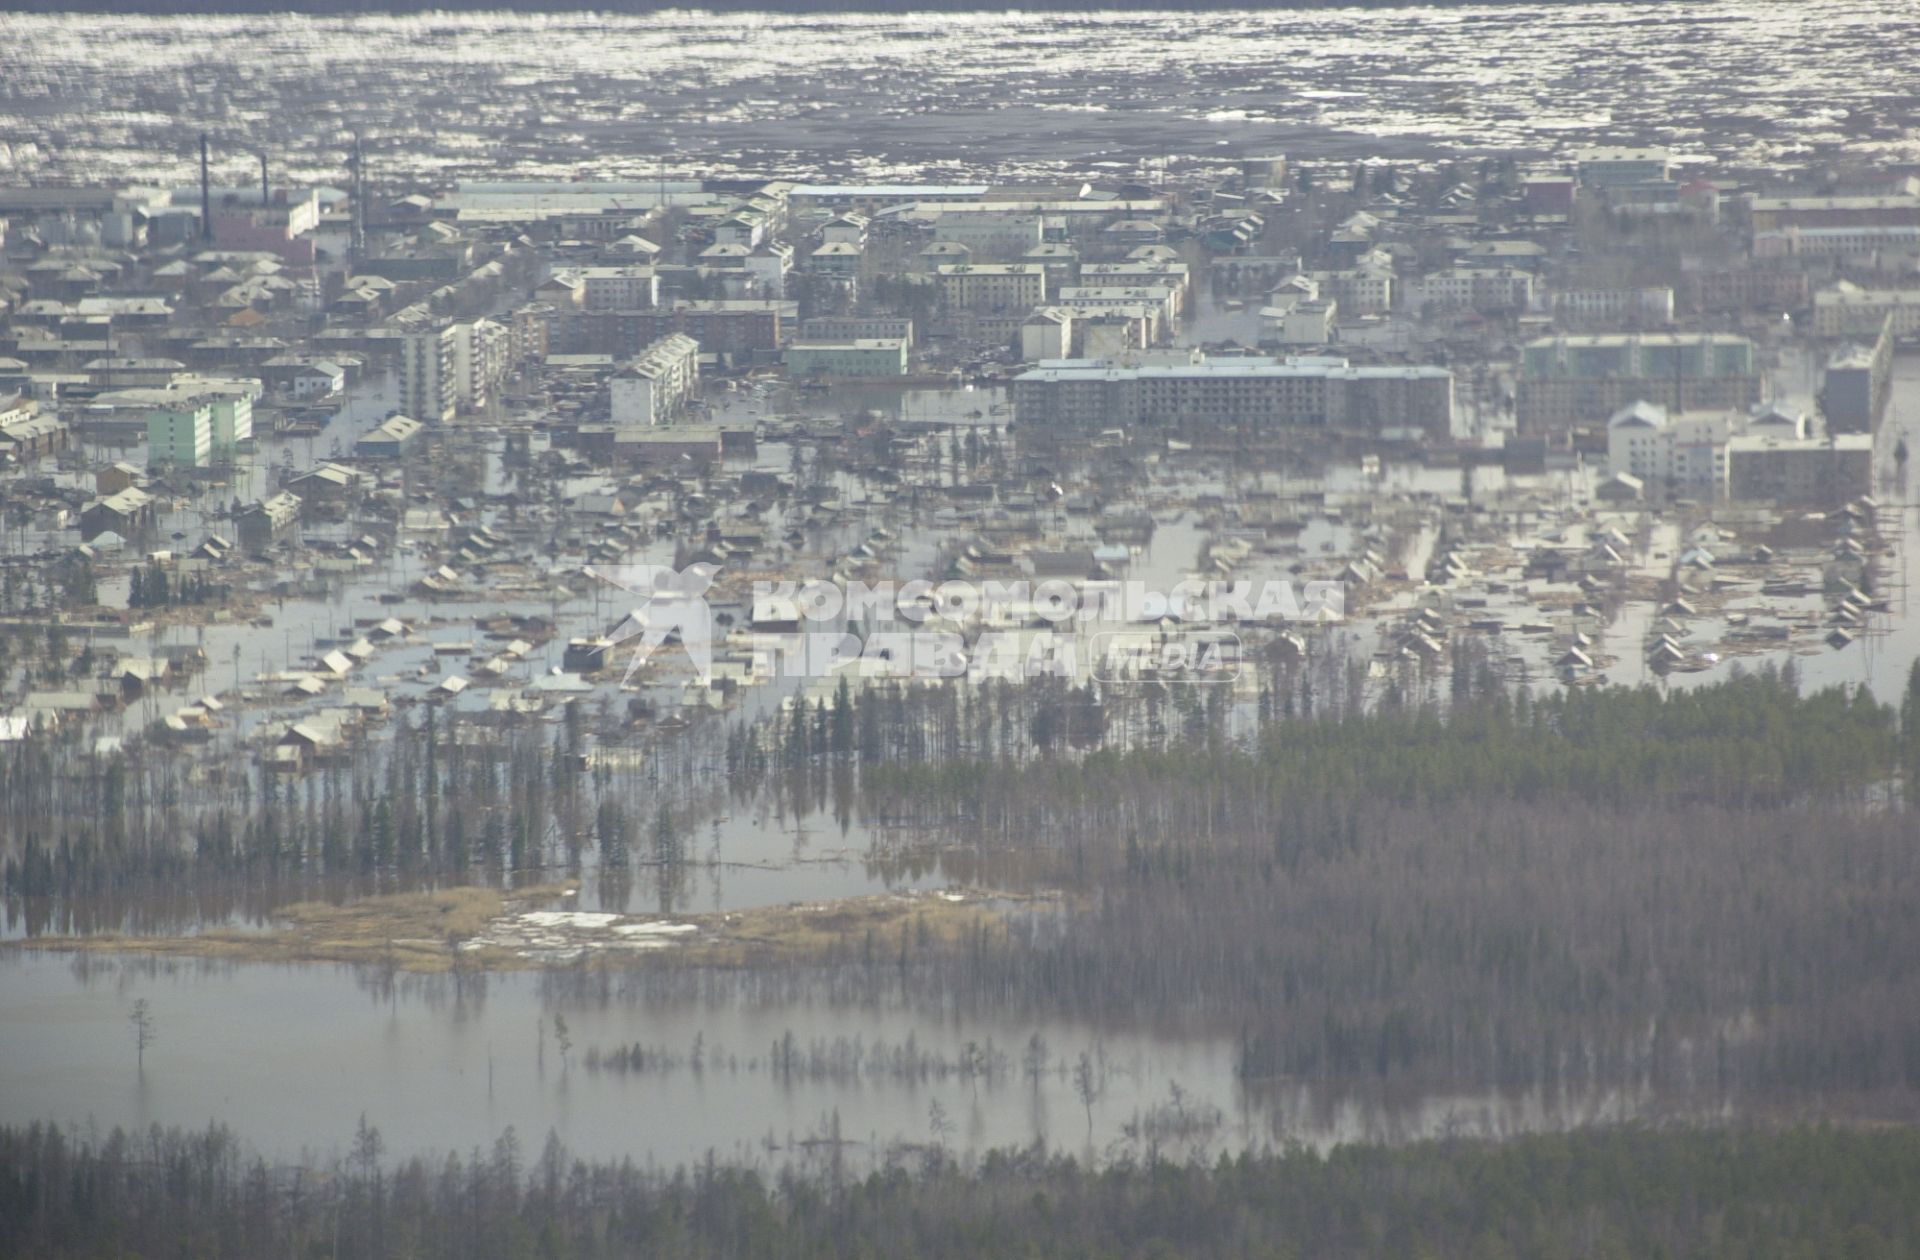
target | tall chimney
x=206, y=194
x=265, y=194
x=357, y=240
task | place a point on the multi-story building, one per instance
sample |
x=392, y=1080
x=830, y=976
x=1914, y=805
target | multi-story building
x=426, y=375
x=1773, y=455
x=1846, y=310
x=1773, y=214
x=1828, y=470
x=1857, y=385
x=990, y=237
x=1837, y=242
x=853, y=327
x=231, y=408
x=1683, y=454
x=1308, y=322
x=861, y=356
x=629, y=288
x=1483, y=289
x=657, y=383
x=1046, y=334
x=1366, y=288
x=1648, y=306
x=455, y=368
x=180, y=431
x=1576, y=381
x=729, y=326
x=1613, y=167
x=1319, y=392
x=1162, y=301
x=992, y=286
x=1140, y=273
x=845, y=229
x=1710, y=288
x=769, y=264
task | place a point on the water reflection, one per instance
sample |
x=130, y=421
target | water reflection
x=291, y=1057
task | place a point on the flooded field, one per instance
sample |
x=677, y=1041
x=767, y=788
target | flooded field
x=448, y=1065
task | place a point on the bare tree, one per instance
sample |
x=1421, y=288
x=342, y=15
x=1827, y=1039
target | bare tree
x=144, y=1031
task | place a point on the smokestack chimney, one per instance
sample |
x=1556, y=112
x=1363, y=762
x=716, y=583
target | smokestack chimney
x=206, y=194
x=266, y=194
x=357, y=241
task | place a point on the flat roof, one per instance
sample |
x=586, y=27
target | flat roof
x=1257, y=369
x=905, y=192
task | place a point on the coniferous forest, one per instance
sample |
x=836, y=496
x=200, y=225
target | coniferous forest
x=1794, y=1194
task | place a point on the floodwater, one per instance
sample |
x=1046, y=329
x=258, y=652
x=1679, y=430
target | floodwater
x=292, y=1057
x=949, y=96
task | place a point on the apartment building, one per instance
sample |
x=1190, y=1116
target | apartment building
x=1837, y=242
x=1858, y=384
x=1713, y=289
x=991, y=237
x=1318, y=392
x=1646, y=306
x=1574, y=381
x=1615, y=167
x=729, y=326
x=1680, y=454
x=635, y=287
x=194, y=422
x=180, y=431
x=991, y=286
x=855, y=327
x=858, y=357
x=654, y=387
x=1772, y=456
x=1847, y=310
x=1163, y=302
x=1827, y=471
x=1141, y=273
x=1774, y=214
x=1366, y=288
x=1483, y=289
x=452, y=369
x=230, y=402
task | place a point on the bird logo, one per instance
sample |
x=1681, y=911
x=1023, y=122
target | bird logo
x=672, y=605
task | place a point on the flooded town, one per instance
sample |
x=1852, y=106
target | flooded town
x=676, y=582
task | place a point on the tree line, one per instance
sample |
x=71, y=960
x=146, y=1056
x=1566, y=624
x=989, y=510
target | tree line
x=1748, y=1193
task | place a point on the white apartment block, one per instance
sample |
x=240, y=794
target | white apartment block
x=991, y=286
x=1652, y=306
x=991, y=237
x=634, y=287
x=769, y=265
x=1366, y=288
x=1474, y=289
x=452, y=369
x=1847, y=310
x=1163, y=302
x=231, y=410
x=1141, y=273
x=1682, y=454
x=1863, y=241
x=655, y=385
x=1047, y=334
